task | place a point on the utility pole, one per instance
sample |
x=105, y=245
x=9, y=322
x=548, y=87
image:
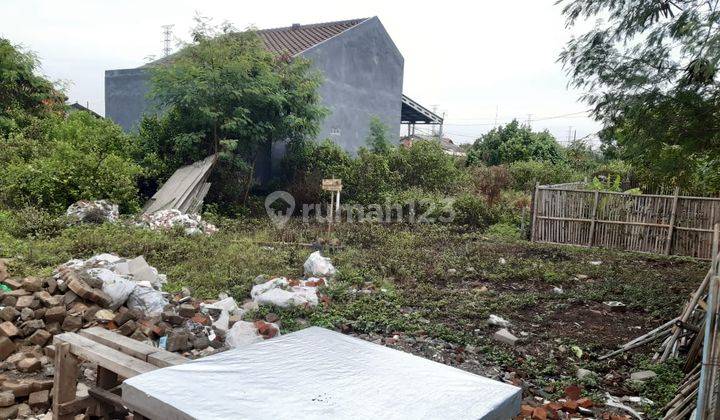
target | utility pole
x=497, y=108
x=529, y=120
x=440, y=135
x=167, y=31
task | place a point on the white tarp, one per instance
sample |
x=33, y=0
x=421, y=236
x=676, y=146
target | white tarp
x=318, y=374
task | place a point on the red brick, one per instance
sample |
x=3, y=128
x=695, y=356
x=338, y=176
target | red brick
x=7, y=347
x=526, y=410
x=8, y=329
x=570, y=405
x=539, y=413
x=39, y=399
x=585, y=402
x=573, y=392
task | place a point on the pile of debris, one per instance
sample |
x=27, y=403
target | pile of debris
x=119, y=294
x=123, y=295
x=98, y=211
x=171, y=218
x=284, y=293
x=694, y=333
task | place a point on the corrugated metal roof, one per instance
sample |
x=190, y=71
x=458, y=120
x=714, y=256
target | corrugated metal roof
x=298, y=38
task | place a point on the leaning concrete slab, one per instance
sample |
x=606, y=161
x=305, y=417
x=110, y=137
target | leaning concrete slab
x=316, y=373
x=185, y=189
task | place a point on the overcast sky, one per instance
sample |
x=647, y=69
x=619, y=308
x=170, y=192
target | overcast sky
x=472, y=59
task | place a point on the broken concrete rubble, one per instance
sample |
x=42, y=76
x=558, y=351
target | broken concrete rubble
x=318, y=266
x=170, y=219
x=97, y=211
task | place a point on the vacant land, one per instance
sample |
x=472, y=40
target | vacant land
x=426, y=289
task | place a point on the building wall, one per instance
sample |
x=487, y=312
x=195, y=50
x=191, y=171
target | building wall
x=363, y=71
x=363, y=77
x=125, y=96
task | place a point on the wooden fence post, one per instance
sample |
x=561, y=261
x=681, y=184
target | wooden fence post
x=671, y=228
x=593, y=218
x=533, y=225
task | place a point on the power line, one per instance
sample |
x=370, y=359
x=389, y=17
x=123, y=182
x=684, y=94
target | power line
x=529, y=120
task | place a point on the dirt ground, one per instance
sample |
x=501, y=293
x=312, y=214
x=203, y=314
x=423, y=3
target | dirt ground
x=430, y=290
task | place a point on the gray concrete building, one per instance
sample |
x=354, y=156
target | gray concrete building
x=362, y=70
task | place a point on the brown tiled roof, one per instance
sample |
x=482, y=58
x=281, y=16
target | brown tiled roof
x=298, y=38
x=290, y=39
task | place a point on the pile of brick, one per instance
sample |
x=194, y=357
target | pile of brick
x=572, y=406
x=34, y=309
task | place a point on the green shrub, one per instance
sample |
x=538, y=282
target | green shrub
x=66, y=160
x=32, y=222
x=504, y=230
x=526, y=173
x=426, y=166
x=489, y=181
x=421, y=203
x=472, y=210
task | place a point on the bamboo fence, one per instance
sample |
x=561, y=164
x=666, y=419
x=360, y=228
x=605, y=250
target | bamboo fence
x=661, y=224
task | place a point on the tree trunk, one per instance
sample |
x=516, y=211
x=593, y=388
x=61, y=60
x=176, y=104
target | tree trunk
x=250, y=178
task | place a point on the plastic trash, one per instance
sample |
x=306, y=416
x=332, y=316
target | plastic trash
x=318, y=266
x=242, y=333
x=228, y=304
x=296, y=296
x=5, y=288
x=116, y=286
x=148, y=300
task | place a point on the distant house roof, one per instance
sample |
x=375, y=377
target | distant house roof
x=447, y=144
x=298, y=38
x=77, y=107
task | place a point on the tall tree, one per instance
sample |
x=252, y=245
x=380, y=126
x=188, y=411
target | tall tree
x=24, y=94
x=225, y=93
x=649, y=70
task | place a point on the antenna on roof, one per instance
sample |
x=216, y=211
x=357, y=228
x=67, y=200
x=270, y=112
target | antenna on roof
x=167, y=31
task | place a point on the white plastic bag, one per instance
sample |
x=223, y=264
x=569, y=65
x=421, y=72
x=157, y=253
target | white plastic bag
x=318, y=266
x=242, y=333
x=150, y=301
x=116, y=286
x=261, y=288
x=296, y=296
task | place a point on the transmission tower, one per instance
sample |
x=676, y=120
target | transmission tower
x=167, y=31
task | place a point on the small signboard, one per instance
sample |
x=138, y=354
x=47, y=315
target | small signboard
x=332, y=184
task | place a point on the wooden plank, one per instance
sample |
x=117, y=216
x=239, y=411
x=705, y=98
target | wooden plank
x=65, y=381
x=73, y=407
x=118, y=362
x=107, y=397
x=119, y=342
x=593, y=217
x=137, y=349
x=673, y=214
x=533, y=226
x=164, y=358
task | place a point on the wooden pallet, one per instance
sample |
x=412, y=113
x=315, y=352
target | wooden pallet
x=117, y=358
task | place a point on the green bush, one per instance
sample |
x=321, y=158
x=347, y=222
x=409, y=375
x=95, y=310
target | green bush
x=426, y=166
x=512, y=143
x=32, y=222
x=526, y=173
x=66, y=160
x=472, y=210
x=489, y=181
x=421, y=203
x=504, y=230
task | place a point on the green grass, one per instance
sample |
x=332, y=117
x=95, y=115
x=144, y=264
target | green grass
x=416, y=292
